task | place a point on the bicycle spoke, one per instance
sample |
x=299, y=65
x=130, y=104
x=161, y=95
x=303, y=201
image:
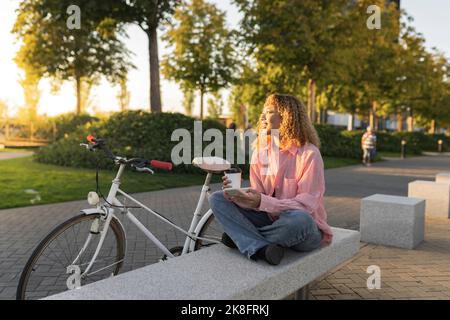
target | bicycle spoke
x=48, y=272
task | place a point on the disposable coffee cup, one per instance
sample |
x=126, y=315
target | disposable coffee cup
x=234, y=175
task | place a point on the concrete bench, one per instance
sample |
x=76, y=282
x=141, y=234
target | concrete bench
x=443, y=177
x=220, y=273
x=436, y=195
x=392, y=220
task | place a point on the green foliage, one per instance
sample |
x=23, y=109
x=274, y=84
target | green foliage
x=288, y=42
x=202, y=52
x=70, y=122
x=338, y=143
x=148, y=135
x=129, y=133
x=188, y=101
x=53, y=50
x=4, y=109
x=347, y=144
x=215, y=105
x=416, y=142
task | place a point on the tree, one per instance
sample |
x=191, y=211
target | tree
x=202, y=57
x=32, y=95
x=3, y=110
x=188, y=102
x=408, y=89
x=4, y=119
x=124, y=95
x=215, y=105
x=296, y=38
x=433, y=108
x=247, y=96
x=149, y=15
x=53, y=50
x=366, y=71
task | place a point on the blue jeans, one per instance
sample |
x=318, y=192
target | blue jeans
x=251, y=230
x=369, y=154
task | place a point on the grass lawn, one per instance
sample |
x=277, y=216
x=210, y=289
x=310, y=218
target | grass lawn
x=58, y=184
x=331, y=163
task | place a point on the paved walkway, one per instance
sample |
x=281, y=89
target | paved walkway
x=12, y=155
x=422, y=273
x=21, y=229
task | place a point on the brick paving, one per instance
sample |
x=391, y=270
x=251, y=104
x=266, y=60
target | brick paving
x=422, y=273
x=21, y=229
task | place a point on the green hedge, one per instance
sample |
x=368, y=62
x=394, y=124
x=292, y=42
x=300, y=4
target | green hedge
x=338, y=143
x=148, y=135
x=58, y=127
x=130, y=133
x=416, y=142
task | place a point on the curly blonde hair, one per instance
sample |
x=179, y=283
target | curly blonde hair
x=296, y=127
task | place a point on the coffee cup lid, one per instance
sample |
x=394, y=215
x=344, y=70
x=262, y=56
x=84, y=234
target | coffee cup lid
x=233, y=170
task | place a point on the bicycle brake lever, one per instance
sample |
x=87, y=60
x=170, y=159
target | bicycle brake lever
x=87, y=146
x=145, y=169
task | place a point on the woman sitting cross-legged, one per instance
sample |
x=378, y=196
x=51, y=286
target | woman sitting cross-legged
x=284, y=207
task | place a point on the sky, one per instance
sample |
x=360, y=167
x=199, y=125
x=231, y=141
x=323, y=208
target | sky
x=430, y=19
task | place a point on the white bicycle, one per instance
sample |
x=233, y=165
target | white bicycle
x=92, y=246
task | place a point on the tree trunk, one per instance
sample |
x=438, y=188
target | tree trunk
x=351, y=122
x=53, y=131
x=78, y=88
x=324, y=115
x=432, y=127
x=372, y=116
x=7, y=130
x=410, y=121
x=202, y=93
x=312, y=100
x=155, y=91
x=31, y=131
x=399, y=121
x=381, y=123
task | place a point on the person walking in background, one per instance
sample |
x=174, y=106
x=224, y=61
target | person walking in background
x=368, y=145
x=232, y=126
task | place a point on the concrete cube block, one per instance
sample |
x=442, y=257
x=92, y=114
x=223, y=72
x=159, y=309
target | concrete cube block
x=443, y=177
x=392, y=220
x=436, y=195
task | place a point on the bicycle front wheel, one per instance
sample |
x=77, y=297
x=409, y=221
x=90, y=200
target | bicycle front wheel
x=65, y=253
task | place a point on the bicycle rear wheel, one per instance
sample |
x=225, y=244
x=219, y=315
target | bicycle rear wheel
x=211, y=230
x=46, y=272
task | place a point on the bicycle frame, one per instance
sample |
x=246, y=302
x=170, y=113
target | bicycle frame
x=191, y=234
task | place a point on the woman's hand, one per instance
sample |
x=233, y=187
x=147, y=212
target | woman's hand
x=251, y=199
x=226, y=183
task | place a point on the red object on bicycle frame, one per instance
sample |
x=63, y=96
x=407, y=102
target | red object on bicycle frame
x=161, y=165
x=90, y=138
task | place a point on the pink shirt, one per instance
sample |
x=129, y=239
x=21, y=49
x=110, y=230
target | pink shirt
x=295, y=178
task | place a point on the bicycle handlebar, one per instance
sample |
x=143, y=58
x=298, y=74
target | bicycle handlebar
x=145, y=169
x=161, y=165
x=138, y=163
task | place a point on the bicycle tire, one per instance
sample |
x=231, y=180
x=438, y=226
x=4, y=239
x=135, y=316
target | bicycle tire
x=210, y=229
x=30, y=266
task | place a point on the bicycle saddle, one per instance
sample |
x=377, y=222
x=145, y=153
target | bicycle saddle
x=211, y=164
